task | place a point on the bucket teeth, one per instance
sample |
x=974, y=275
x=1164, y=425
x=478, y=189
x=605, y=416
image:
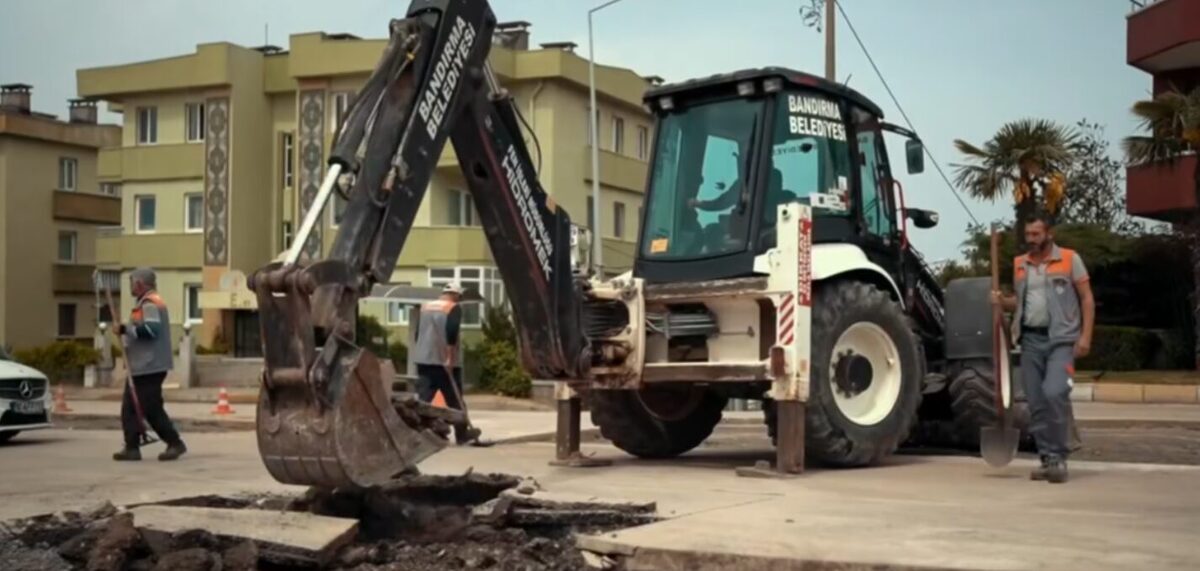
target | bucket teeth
x=359, y=441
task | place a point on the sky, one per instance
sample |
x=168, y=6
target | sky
x=960, y=68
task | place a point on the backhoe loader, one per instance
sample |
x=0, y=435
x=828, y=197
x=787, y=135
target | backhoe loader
x=773, y=263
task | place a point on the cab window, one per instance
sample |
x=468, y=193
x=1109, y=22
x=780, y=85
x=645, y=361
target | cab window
x=877, y=210
x=810, y=157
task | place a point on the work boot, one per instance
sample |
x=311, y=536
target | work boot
x=128, y=455
x=173, y=451
x=1056, y=473
x=1039, y=474
x=467, y=434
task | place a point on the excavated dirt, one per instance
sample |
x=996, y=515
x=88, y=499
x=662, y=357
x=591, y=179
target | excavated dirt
x=421, y=522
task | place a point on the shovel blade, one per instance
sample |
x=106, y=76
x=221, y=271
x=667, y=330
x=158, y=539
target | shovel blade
x=998, y=445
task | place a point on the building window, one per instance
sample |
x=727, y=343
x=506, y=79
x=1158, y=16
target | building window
x=193, y=212
x=286, y=234
x=147, y=125
x=485, y=281
x=618, y=220
x=289, y=161
x=191, y=303
x=110, y=189
x=68, y=173
x=618, y=135
x=591, y=215
x=144, y=213
x=643, y=142
x=341, y=104
x=66, y=320
x=194, y=113
x=462, y=209
x=67, y=244
x=397, y=313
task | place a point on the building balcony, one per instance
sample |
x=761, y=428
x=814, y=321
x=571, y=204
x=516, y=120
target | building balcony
x=1163, y=190
x=445, y=246
x=72, y=278
x=114, y=248
x=153, y=162
x=84, y=207
x=617, y=171
x=1164, y=36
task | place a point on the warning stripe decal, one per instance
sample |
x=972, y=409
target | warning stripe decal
x=787, y=322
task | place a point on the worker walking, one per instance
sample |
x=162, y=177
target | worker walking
x=1054, y=313
x=439, y=355
x=147, y=338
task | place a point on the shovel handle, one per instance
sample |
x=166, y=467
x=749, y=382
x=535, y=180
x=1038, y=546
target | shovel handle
x=998, y=343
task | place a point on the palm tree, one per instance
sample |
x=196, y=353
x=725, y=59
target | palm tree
x=1173, y=121
x=1021, y=159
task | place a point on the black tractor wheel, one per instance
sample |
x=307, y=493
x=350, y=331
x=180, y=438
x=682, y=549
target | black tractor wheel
x=867, y=369
x=7, y=435
x=657, y=422
x=973, y=403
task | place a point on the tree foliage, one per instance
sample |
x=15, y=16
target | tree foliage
x=1172, y=119
x=1026, y=159
x=500, y=360
x=1097, y=190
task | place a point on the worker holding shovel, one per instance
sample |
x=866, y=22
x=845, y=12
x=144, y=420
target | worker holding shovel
x=438, y=356
x=146, y=339
x=1054, y=312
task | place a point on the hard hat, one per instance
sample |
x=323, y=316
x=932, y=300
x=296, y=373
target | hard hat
x=453, y=287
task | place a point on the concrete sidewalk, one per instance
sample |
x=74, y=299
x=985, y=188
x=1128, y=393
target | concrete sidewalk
x=499, y=426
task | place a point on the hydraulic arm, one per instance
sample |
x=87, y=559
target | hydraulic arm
x=325, y=416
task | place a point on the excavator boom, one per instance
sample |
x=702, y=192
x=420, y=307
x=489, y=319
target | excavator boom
x=325, y=416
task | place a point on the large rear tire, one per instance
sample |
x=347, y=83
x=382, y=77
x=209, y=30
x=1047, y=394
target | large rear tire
x=867, y=369
x=7, y=435
x=973, y=403
x=658, y=422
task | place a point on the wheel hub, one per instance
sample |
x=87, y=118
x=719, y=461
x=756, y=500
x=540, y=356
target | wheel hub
x=853, y=374
x=864, y=374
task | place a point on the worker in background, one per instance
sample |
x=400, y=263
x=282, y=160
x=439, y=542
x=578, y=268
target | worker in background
x=147, y=338
x=439, y=356
x=1054, y=313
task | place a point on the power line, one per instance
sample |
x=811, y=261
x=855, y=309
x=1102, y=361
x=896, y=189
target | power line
x=895, y=101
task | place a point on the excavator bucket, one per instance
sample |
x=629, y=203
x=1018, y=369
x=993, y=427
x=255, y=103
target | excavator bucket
x=361, y=441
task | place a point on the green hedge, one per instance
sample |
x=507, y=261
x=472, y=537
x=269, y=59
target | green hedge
x=1121, y=349
x=59, y=360
x=502, y=371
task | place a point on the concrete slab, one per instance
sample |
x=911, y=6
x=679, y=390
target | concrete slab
x=1083, y=392
x=283, y=535
x=932, y=514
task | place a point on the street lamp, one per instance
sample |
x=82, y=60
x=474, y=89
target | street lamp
x=598, y=234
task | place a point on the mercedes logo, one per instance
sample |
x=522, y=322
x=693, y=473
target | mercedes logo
x=25, y=390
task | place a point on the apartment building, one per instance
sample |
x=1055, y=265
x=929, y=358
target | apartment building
x=223, y=151
x=51, y=203
x=1163, y=40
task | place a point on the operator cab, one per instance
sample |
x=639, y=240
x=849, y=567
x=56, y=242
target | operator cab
x=730, y=149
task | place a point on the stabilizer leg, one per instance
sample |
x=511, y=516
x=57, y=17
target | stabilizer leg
x=567, y=434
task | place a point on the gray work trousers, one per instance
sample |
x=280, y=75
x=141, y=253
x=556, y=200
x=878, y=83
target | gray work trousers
x=1046, y=371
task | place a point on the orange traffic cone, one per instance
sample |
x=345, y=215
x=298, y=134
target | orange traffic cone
x=439, y=400
x=222, y=403
x=60, y=400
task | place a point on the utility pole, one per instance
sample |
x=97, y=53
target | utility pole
x=830, y=43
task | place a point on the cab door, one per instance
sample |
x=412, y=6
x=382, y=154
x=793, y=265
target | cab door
x=878, y=235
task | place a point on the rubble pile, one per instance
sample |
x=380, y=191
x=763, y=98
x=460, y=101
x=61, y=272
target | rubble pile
x=473, y=521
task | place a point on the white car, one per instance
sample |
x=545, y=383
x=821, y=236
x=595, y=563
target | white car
x=24, y=398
